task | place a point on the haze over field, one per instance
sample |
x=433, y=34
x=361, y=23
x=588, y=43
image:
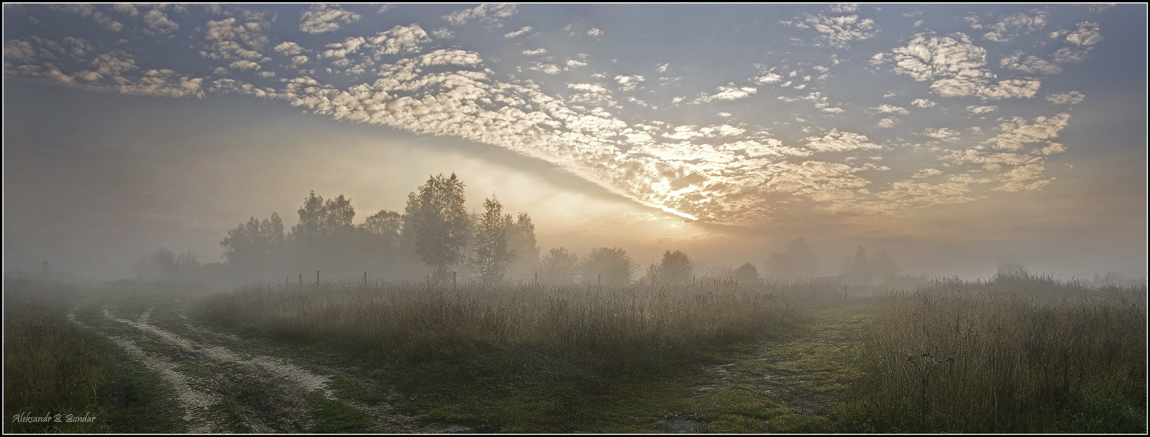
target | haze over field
x=954, y=137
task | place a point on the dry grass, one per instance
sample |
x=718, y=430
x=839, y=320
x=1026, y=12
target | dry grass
x=1017, y=354
x=616, y=327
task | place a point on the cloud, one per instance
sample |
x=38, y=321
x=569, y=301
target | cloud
x=926, y=173
x=943, y=133
x=126, y=8
x=1086, y=35
x=587, y=87
x=922, y=103
x=1029, y=64
x=244, y=65
x=90, y=11
x=840, y=31
x=836, y=141
x=769, y=78
x=887, y=122
x=288, y=48
x=1014, y=25
x=891, y=109
x=546, y=68
x=628, y=83
x=1070, y=98
x=956, y=67
x=594, y=32
x=730, y=92
x=489, y=13
x=399, y=40
x=1006, y=155
x=517, y=33
x=320, y=19
x=535, y=52
x=845, y=8
x=229, y=40
x=979, y=110
x=158, y=23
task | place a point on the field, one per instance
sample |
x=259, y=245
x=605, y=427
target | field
x=1016, y=354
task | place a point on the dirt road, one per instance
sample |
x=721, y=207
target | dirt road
x=225, y=384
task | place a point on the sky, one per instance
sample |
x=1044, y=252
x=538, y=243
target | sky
x=954, y=137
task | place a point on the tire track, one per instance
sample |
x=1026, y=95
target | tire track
x=194, y=402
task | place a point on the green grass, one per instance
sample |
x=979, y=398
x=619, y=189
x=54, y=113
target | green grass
x=332, y=416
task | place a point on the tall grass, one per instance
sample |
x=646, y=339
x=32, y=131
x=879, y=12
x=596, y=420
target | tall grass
x=608, y=328
x=1016, y=354
x=49, y=367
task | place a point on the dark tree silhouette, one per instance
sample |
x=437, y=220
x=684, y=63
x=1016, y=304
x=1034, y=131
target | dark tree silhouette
x=491, y=254
x=747, y=274
x=613, y=264
x=256, y=245
x=559, y=266
x=521, y=240
x=676, y=267
x=438, y=220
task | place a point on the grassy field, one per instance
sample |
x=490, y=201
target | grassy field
x=1015, y=354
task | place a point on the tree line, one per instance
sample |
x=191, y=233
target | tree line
x=436, y=238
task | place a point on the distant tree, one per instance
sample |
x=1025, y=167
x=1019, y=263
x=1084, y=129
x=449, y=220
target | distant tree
x=747, y=274
x=491, y=254
x=676, y=267
x=857, y=269
x=521, y=240
x=559, y=266
x=613, y=264
x=653, y=273
x=883, y=267
x=379, y=235
x=165, y=264
x=255, y=245
x=438, y=221
x=797, y=262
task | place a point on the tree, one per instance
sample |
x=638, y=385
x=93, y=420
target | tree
x=491, y=254
x=559, y=266
x=676, y=267
x=613, y=264
x=857, y=268
x=325, y=236
x=255, y=245
x=747, y=274
x=379, y=235
x=521, y=240
x=653, y=273
x=797, y=262
x=166, y=265
x=438, y=221
x=883, y=267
